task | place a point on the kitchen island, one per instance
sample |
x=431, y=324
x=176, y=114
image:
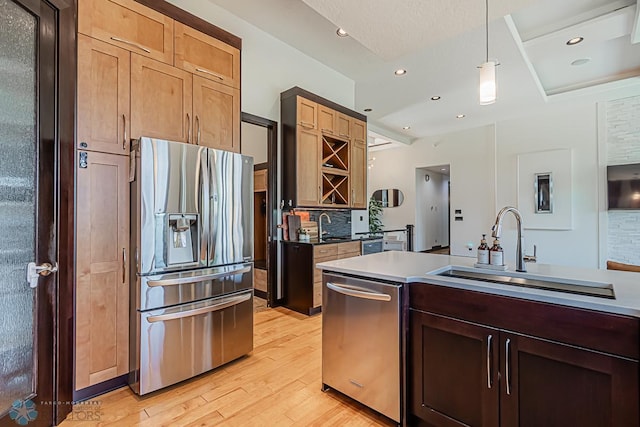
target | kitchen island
x=487, y=354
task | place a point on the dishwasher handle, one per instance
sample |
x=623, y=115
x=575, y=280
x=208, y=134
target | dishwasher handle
x=358, y=292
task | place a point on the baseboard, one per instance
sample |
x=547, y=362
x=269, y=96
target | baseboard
x=101, y=388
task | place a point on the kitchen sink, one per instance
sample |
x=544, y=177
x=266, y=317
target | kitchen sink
x=525, y=280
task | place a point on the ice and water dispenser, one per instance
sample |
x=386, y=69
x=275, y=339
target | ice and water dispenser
x=182, y=241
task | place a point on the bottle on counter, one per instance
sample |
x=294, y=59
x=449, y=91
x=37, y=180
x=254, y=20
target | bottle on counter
x=483, y=251
x=496, y=254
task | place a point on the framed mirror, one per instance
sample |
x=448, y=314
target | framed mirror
x=389, y=198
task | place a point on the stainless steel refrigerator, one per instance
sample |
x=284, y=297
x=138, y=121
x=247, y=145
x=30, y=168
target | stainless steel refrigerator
x=192, y=271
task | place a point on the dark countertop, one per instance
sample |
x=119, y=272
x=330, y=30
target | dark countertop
x=334, y=239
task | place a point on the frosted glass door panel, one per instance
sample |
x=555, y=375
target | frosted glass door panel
x=18, y=142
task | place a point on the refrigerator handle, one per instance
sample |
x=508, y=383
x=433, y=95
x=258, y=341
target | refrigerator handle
x=203, y=278
x=203, y=310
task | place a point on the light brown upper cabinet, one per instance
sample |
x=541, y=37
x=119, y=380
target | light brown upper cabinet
x=308, y=167
x=103, y=97
x=128, y=24
x=307, y=113
x=206, y=56
x=325, y=152
x=358, y=130
x=358, y=174
x=216, y=115
x=343, y=125
x=326, y=119
x=161, y=100
x=102, y=284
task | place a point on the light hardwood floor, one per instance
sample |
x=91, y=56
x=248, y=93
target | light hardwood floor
x=278, y=384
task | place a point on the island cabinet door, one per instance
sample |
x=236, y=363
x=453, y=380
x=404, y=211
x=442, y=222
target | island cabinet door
x=453, y=372
x=556, y=385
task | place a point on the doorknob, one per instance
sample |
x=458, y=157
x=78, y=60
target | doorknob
x=34, y=271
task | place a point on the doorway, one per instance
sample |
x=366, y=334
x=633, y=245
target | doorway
x=433, y=195
x=28, y=211
x=259, y=140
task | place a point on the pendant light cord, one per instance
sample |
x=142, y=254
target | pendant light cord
x=487, y=26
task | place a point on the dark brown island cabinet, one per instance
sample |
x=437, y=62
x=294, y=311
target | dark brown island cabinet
x=482, y=360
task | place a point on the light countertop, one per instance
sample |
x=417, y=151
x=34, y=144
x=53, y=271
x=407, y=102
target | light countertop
x=415, y=267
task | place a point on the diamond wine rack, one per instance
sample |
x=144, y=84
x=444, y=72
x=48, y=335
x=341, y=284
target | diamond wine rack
x=335, y=171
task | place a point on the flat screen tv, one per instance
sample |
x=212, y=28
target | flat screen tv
x=623, y=186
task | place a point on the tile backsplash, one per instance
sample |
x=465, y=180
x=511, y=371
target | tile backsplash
x=340, y=221
x=623, y=146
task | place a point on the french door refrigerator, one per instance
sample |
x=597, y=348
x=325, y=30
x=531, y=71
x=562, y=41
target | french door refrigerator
x=192, y=271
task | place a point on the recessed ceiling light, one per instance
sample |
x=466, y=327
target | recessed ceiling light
x=435, y=98
x=574, y=40
x=406, y=127
x=342, y=33
x=581, y=61
x=368, y=110
x=400, y=72
x=460, y=116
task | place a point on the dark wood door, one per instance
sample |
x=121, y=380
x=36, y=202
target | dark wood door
x=27, y=211
x=453, y=372
x=555, y=385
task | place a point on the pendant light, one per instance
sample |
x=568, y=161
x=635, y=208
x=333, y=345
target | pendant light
x=487, y=70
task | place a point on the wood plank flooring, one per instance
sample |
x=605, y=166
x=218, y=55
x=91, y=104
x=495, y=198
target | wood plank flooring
x=278, y=384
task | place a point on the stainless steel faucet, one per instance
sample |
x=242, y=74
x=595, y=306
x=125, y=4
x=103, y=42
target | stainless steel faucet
x=497, y=231
x=320, y=232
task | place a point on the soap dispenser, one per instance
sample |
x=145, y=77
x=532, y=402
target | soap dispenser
x=496, y=254
x=483, y=251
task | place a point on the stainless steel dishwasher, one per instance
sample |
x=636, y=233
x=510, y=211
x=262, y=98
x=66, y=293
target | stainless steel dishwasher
x=361, y=341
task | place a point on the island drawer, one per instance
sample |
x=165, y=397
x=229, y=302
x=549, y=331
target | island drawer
x=325, y=251
x=349, y=247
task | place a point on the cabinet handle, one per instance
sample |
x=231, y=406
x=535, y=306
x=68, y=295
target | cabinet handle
x=489, y=339
x=507, y=366
x=124, y=132
x=211, y=73
x=306, y=125
x=188, y=129
x=197, y=130
x=130, y=43
x=124, y=265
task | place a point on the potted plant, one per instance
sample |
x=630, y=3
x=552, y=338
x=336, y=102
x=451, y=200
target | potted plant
x=375, y=216
x=303, y=236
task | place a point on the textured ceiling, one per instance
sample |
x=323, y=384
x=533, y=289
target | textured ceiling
x=391, y=29
x=441, y=43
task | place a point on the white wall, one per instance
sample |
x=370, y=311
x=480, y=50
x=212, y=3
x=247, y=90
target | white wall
x=573, y=127
x=432, y=210
x=254, y=142
x=471, y=154
x=484, y=178
x=270, y=66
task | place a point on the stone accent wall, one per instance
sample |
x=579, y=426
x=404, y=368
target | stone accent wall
x=623, y=146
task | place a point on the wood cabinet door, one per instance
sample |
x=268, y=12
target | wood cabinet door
x=343, y=125
x=326, y=119
x=206, y=56
x=128, y=24
x=161, y=100
x=102, y=285
x=556, y=385
x=307, y=167
x=306, y=113
x=453, y=371
x=358, y=170
x=359, y=130
x=103, y=96
x=216, y=115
